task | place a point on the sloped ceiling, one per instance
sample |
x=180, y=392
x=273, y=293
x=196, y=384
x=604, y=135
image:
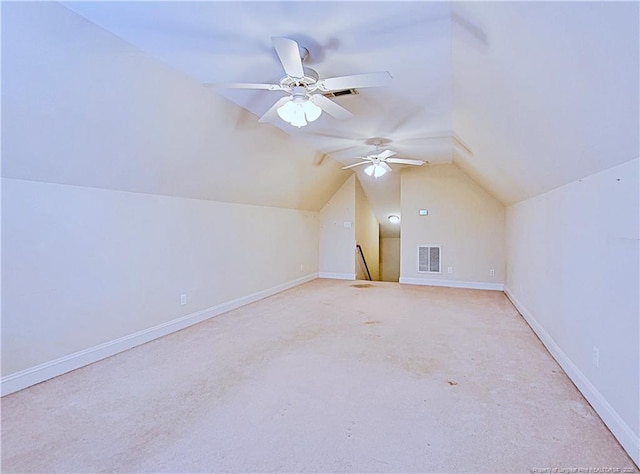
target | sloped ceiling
x=544, y=92
x=523, y=96
x=82, y=107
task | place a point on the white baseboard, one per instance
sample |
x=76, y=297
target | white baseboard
x=620, y=429
x=39, y=373
x=337, y=276
x=474, y=285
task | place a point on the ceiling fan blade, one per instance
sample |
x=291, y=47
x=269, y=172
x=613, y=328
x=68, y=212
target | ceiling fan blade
x=272, y=113
x=289, y=55
x=330, y=107
x=386, y=154
x=385, y=166
x=357, y=164
x=356, y=81
x=240, y=85
x=405, y=161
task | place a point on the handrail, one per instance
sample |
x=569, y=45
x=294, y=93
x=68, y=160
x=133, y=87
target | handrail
x=366, y=267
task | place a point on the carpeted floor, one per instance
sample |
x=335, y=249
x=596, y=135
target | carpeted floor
x=330, y=376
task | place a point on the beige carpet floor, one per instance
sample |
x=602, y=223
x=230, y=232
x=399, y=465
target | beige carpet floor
x=330, y=376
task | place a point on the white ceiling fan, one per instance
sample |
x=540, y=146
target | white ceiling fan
x=378, y=162
x=306, y=99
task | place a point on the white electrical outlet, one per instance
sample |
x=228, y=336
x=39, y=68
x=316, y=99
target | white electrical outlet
x=449, y=269
x=596, y=356
x=183, y=299
x=301, y=267
x=492, y=272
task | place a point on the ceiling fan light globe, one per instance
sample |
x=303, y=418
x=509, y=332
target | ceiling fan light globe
x=311, y=110
x=297, y=119
x=369, y=169
x=286, y=111
x=378, y=171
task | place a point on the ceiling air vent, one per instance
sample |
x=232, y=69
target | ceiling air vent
x=428, y=259
x=341, y=93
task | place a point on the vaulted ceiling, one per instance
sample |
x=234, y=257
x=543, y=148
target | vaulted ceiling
x=523, y=96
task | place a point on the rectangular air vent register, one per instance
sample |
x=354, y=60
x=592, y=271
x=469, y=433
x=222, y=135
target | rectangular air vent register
x=429, y=259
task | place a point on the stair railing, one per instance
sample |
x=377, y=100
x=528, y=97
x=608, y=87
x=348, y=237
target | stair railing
x=364, y=260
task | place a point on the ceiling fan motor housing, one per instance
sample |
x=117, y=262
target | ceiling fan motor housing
x=310, y=78
x=299, y=94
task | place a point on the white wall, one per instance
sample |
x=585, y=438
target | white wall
x=464, y=219
x=85, y=266
x=390, y=258
x=338, y=233
x=573, y=273
x=367, y=235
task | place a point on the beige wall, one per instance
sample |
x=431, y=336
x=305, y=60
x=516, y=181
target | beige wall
x=390, y=259
x=466, y=221
x=573, y=272
x=367, y=235
x=127, y=184
x=85, y=266
x=338, y=233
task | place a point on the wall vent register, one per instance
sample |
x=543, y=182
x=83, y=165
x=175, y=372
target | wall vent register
x=429, y=259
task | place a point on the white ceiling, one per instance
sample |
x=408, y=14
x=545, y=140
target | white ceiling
x=541, y=93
